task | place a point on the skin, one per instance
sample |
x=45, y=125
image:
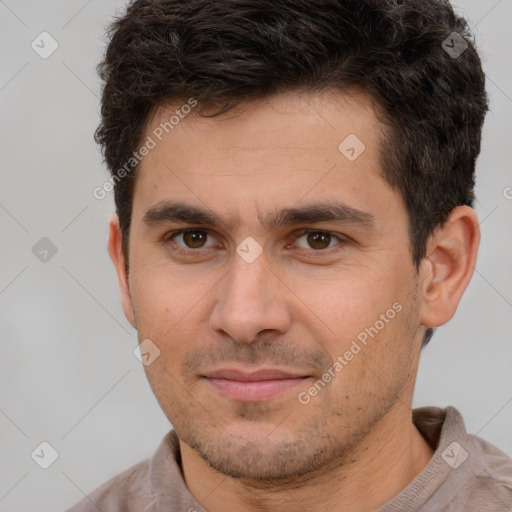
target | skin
x=298, y=306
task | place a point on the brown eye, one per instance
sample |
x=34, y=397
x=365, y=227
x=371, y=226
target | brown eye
x=191, y=242
x=319, y=240
x=194, y=239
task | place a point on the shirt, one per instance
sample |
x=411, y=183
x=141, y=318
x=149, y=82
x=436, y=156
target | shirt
x=465, y=474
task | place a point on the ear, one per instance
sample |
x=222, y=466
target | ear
x=448, y=267
x=115, y=249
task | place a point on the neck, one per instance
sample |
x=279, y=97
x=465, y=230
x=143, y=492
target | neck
x=383, y=464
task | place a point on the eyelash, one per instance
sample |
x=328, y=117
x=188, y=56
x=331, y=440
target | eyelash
x=169, y=237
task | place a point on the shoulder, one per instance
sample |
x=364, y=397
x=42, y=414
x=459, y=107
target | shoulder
x=481, y=474
x=492, y=478
x=151, y=485
x=128, y=491
x=466, y=472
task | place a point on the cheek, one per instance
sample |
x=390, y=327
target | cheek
x=168, y=311
x=372, y=319
x=159, y=290
x=349, y=300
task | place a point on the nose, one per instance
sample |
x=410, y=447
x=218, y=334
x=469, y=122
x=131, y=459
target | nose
x=250, y=299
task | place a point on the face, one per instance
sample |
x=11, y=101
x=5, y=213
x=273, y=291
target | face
x=270, y=265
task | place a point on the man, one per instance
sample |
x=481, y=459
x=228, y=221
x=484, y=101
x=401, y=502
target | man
x=293, y=186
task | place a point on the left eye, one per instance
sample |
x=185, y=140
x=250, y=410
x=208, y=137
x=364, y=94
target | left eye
x=317, y=240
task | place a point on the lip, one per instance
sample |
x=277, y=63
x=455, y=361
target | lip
x=255, y=386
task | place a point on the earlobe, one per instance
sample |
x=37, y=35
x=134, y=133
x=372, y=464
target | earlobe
x=115, y=250
x=448, y=266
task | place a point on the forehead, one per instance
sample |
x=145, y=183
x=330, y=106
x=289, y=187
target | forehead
x=275, y=122
x=279, y=151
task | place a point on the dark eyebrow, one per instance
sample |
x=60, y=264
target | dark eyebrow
x=320, y=212
x=180, y=212
x=317, y=212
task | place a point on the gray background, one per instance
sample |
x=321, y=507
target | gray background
x=67, y=372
